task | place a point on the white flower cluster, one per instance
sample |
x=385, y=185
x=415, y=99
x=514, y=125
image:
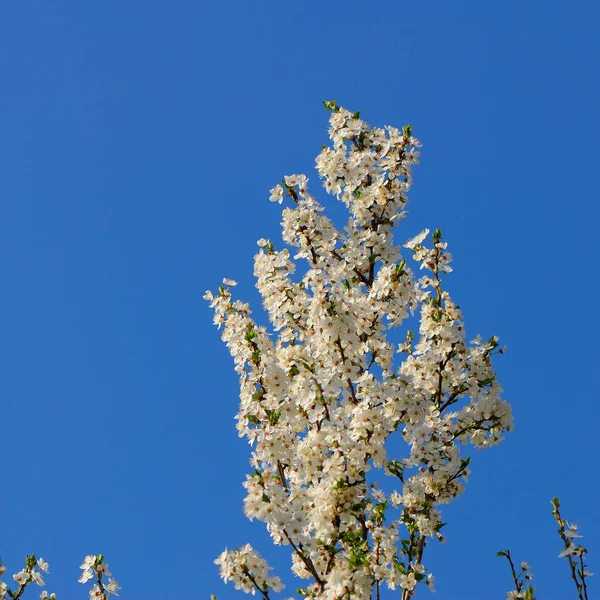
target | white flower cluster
x=571, y=533
x=32, y=573
x=574, y=551
x=247, y=570
x=319, y=402
x=523, y=590
x=93, y=567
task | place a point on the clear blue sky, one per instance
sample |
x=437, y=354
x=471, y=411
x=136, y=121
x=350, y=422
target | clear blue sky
x=138, y=144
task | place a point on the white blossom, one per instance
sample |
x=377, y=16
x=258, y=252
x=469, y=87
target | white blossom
x=112, y=586
x=417, y=240
x=277, y=194
x=322, y=392
x=36, y=576
x=43, y=565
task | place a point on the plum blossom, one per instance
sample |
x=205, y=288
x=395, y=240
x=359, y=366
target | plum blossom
x=277, y=194
x=94, y=567
x=326, y=386
x=247, y=570
x=22, y=577
x=43, y=565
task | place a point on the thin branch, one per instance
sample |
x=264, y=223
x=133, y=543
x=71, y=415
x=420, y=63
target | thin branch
x=306, y=560
x=281, y=471
x=583, y=583
x=338, y=343
x=264, y=592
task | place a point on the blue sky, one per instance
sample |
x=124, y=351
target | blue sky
x=139, y=141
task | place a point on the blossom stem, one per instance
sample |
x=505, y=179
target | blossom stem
x=421, y=548
x=281, y=471
x=101, y=586
x=583, y=583
x=572, y=565
x=338, y=343
x=306, y=560
x=265, y=593
x=518, y=584
x=20, y=591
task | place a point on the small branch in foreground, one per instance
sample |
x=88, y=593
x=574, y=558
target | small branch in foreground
x=567, y=534
x=519, y=579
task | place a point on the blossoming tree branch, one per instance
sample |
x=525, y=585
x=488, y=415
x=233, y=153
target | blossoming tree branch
x=322, y=395
x=93, y=568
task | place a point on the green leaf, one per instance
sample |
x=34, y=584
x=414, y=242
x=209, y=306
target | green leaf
x=399, y=270
x=331, y=105
x=273, y=416
x=493, y=341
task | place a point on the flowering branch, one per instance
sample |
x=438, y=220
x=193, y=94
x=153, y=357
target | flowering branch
x=92, y=566
x=575, y=553
x=320, y=398
x=248, y=571
x=25, y=577
x=519, y=579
